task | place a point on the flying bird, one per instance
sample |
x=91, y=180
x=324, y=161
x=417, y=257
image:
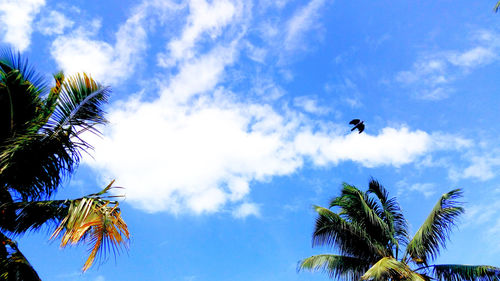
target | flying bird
x=358, y=124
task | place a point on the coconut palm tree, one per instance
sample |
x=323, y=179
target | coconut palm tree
x=40, y=145
x=370, y=234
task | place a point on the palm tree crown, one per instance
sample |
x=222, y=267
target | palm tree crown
x=40, y=144
x=370, y=234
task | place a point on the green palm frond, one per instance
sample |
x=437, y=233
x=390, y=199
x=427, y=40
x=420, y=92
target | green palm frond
x=358, y=208
x=13, y=264
x=94, y=221
x=10, y=60
x=49, y=149
x=80, y=106
x=497, y=6
x=388, y=268
x=341, y=267
x=392, y=213
x=458, y=272
x=20, y=217
x=349, y=238
x=434, y=231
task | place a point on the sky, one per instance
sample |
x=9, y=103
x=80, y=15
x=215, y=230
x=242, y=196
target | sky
x=229, y=120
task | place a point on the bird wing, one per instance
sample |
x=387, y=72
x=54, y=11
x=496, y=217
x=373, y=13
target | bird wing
x=354, y=122
x=361, y=127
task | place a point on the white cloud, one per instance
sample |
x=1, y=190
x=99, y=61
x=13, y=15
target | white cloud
x=302, y=21
x=482, y=168
x=310, y=105
x=79, y=52
x=486, y=216
x=390, y=147
x=245, y=210
x=54, y=23
x=473, y=57
x=204, y=17
x=204, y=156
x=16, y=18
x=426, y=189
x=431, y=76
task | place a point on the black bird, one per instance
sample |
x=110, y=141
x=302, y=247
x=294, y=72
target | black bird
x=358, y=124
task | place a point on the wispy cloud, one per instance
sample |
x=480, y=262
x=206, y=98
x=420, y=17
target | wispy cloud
x=432, y=75
x=486, y=216
x=426, y=189
x=304, y=19
x=79, y=51
x=481, y=166
x=205, y=18
x=16, y=18
x=245, y=210
x=54, y=23
x=310, y=105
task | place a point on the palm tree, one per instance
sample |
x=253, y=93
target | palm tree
x=370, y=234
x=40, y=145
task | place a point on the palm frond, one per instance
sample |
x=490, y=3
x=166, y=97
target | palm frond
x=13, y=264
x=350, y=239
x=80, y=106
x=51, y=148
x=95, y=221
x=34, y=165
x=392, y=213
x=388, y=268
x=341, y=267
x=435, y=230
x=24, y=216
x=497, y=6
x=10, y=60
x=359, y=208
x=458, y=272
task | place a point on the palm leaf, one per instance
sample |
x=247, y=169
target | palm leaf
x=25, y=216
x=13, y=264
x=80, y=106
x=359, y=208
x=497, y=6
x=349, y=238
x=94, y=221
x=435, y=230
x=50, y=148
x=341, y=267
x=458, y=272
x=392, y=214
x=389, y=268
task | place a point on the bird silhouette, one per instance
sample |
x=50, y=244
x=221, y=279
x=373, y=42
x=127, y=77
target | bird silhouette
x=358, y=124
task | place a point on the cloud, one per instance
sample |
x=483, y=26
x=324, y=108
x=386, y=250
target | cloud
x=302, y=21
x=80, y=52
x=426, y=189
x=486, y=216
x=203, y=156
x=390, y=147
x=310, y=105
x=432, y=76
x=54, y=23
x=481, y=167
x=204, y=18
x=245, y=210
x=16, y=18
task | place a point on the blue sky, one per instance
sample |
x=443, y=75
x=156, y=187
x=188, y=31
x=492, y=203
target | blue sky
x=228, y=121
